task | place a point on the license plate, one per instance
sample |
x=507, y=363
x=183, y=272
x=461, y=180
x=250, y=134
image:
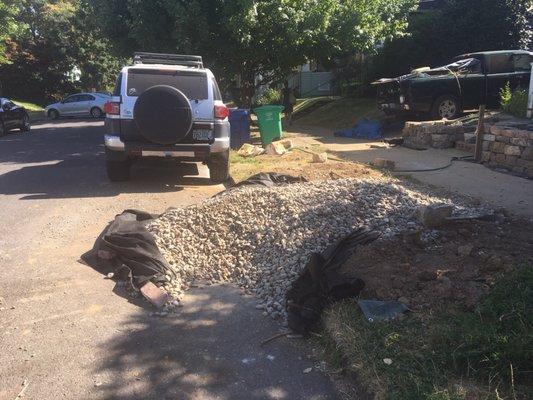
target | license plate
x=202, y=134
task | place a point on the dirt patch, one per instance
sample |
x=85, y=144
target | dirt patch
x=457, y=264
x=298, y=163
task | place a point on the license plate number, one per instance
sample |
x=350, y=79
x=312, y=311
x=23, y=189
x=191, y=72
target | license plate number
x=202, y=134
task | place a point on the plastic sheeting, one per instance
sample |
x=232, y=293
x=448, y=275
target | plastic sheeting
x=364, y=129
x=322, y=282
x=379, y=311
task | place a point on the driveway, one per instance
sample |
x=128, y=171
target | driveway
x=66, y=332
x=467, y=178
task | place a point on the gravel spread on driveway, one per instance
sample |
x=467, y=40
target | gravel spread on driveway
x=261, y=238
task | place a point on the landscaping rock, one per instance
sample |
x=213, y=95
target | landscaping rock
x=320, y=157
x=512, y=150
x=275, y=149
x=465, y=250
x=384, y=163
x=262, y=237
x=435, y=214
x=427, y=276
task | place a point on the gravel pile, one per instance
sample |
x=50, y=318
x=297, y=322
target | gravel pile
x=260, y=238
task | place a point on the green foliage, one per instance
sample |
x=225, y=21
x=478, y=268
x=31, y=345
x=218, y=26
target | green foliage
x=514, y=101
x=8, y=25
x=53, y=38
x=243, y=40
x=342, y=113
x=457, y=355
x=270, y=96
x=461, y=26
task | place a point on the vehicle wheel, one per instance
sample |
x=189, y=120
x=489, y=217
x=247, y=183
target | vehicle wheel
x=53, y=114
x=446, y=106
x=118, y=171
x=96, y=112
x=25, y=126
x=3, y=131
x=218, y=165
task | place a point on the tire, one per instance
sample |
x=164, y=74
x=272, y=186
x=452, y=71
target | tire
x=3, y=130
x=96, y=112
x=163, y=115
x=118, y=171
x=53, y=114
x=218, y=165
x=446, y=106
x=25, y=126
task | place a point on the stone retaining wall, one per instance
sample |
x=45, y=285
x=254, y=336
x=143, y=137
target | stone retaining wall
x=509, y=145
x=437, y=134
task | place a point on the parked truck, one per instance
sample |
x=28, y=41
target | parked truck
x=470, y=80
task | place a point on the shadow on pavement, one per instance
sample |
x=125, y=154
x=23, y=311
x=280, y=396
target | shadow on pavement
x=65, y=159
x=210, y=349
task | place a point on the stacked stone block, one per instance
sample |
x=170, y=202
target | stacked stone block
x=436, y=134
x=509, y=145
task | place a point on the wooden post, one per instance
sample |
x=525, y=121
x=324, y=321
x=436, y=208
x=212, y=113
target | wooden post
x=479, y=133
x=530, y=97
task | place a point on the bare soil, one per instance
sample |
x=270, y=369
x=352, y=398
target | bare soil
x=456, y=264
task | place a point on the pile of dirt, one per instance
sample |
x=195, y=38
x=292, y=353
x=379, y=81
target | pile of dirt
x=457, y=263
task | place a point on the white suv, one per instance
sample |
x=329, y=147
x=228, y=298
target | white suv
x=166, y=105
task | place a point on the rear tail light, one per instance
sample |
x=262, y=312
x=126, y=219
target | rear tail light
x=112, y=108
x=221, y=112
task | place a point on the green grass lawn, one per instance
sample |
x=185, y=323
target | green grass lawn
x=28, y=106
x=340, y=113
x=482, y=354
x=302, y=104
x=35, y=111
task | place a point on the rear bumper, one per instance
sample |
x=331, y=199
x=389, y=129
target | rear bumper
x=193, y=152
x=394, y=108
x=197, y=151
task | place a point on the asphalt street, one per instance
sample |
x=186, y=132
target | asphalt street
x=66, y=332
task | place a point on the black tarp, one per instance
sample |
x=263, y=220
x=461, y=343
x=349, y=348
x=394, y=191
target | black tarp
x=269, y=179
x=130, y=250
x=322, y=282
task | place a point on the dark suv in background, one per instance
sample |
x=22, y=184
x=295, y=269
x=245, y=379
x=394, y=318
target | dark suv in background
x=470, y=80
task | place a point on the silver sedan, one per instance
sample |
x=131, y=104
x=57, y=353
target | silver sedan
x=78, y=105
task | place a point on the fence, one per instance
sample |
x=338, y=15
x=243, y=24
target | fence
x=313, y=84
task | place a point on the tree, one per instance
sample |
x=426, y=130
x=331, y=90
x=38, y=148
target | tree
x=249, y=42
x=53, y=38
x=462, y=26
x=8, y=25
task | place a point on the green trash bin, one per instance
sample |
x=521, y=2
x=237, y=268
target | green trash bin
x=269, y=119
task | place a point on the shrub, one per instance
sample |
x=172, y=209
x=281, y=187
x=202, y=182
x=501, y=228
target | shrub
x=514, y=101
x=270, y=96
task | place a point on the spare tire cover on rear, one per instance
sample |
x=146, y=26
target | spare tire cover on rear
x=163, y=114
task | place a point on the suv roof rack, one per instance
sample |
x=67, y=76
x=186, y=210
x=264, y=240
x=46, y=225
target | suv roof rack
x=170, y=59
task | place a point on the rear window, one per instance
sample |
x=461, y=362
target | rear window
x=522, y=62
x=501, y=63
x=192, y=84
